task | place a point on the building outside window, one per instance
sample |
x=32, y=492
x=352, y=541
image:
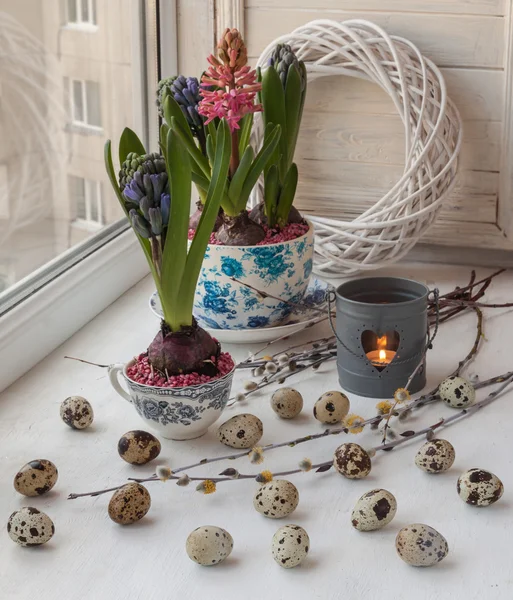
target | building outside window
x=86, y=197
x=81, y=12
x=85, y=103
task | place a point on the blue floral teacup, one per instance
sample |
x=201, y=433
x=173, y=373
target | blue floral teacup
x=175, y=413
x=227, y=292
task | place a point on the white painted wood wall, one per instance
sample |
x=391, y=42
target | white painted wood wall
x=350, y=150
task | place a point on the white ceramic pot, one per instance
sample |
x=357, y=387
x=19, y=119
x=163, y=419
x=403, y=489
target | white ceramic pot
x=282, y=270
x=175, y=413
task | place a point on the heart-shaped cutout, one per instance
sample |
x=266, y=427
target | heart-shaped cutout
x=380, y=348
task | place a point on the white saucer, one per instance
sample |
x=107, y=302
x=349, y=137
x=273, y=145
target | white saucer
x=313, y=301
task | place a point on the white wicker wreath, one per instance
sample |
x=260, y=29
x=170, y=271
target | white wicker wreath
x=432, y=126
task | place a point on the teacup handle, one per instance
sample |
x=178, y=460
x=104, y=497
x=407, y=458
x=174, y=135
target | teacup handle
x=114, y=371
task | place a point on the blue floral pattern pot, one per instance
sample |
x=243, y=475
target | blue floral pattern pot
x=175, y=413
x=282, y=270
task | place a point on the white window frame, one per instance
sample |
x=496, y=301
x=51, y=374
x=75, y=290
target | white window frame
x=88, y=222
x=40, y=312
x=82, y=123
x=89, y=24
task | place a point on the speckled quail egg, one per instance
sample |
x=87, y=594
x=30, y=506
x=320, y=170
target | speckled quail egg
x=287, y=403
x=420, y=545
x=36, y=478
x=129, y=504
x=331, y=407
x=435, y=456
x=479, y=487
x=374, y=510
x=138, y=447
x=352, y=461
x=30, y=527
x=209, y=545
x=241, y=431
x=76, y=412
x=457, y=392
x=276, y=499
x=290, y=546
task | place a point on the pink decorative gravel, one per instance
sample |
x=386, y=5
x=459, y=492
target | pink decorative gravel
x=141, y=372
x=291, y=231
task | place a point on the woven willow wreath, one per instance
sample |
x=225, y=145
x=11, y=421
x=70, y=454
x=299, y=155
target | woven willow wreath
x=432, y=127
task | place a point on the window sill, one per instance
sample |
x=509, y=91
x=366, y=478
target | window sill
x=84, y=129
x=48, y=315
x=82, y=27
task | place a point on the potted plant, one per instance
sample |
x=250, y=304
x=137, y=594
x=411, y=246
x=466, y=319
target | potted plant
x=271, y=248
x=182, y=383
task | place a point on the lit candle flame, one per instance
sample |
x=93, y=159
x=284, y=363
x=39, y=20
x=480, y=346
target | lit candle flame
x=382, y=355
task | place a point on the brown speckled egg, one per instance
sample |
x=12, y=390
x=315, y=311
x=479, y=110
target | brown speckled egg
x=457, y=392
x=138, y=447
x=352, y=461
x=209, y=545
x=435, y=456
x=76, y=412
x=290, y=546
x=241, y=431
x=374, y=510
x=331, y=407
x=420, y=545
x=30, y=527
x=287, y=403
x=276, y=499
x=479, y=488
x=36, y=478
x=129, y=504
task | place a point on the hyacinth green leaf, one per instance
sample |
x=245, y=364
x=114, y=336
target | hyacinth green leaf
x=271, y=140
x=273, y=100
x=164, y=128
x=172, y=111
x=240, y=175
x=246, y=126
x=188, y=142
x=145, y=244
x=293, y=101
x=129, y=142
x=271, y=192
x=211, y=130
x=210, y=150
x=208, y=218
x=200, y=181
x=288, y=191
x=302, y=77
x=175, y=250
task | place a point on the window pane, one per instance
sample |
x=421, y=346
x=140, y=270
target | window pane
x=78, y=102
x=93, y=16
x=93, y=103
x=72, y=11
x=93, y=201
x=55, y=82
x=77, y=196
x=85, y=10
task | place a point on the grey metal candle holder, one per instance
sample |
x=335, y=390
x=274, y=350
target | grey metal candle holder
x=381, y=313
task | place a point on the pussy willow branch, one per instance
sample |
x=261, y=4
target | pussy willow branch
x=418, y=403
x=280, y=376
x=466, y=412
x=406, y=438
